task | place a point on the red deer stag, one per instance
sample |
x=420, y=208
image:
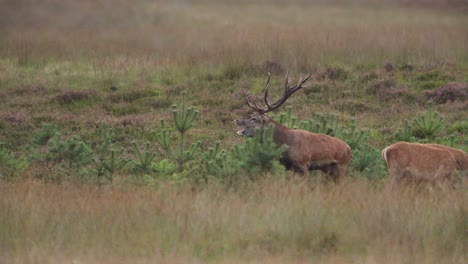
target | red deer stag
x=306, y=151
x=413, y=162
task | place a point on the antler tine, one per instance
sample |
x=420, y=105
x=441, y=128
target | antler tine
x=286, y=82
x=265, y=97
x=288, y=91
x=285, y=95
x=302, y=81
x=249, y=103
x=260, y=109
x=253, y=104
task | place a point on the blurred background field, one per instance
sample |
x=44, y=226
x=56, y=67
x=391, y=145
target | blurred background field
x=299, y=34
x=80, y=77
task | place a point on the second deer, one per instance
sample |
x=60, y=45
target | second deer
x=414, y=162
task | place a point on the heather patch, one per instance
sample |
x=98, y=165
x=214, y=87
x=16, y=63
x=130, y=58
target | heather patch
x=15, y=117
x=448, y=93
x=68, y=96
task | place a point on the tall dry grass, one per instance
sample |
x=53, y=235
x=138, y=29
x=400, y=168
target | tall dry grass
x=298, y=34
x=274, y=221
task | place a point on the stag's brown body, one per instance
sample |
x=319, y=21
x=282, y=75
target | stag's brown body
x=413, y=162
x=306, y=151
x=310, y=151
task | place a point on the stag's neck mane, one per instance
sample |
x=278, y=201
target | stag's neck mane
x=268, y=121
x=280, y=134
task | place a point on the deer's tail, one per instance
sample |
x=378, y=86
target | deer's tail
x=384, y=154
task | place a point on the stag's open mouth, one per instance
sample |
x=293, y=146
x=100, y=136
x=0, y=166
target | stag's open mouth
x=241, y=132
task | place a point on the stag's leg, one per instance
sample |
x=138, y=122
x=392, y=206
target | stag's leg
x=342, y=170
x=301, y=169
x=286, y=163
x=338, y=171
x=332, y=171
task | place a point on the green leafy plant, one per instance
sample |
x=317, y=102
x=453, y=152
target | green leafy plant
x=45, y=134
x=448, y=141
x=323, y=124
x=425, y=127
x=164, y=136
x=405, y=133
x=44, y=140
x=218, y=164
x=319, y=123
x=61, y=156
x=9, y=164
x=144, y=158
x=164, y=167
x=287, y=118
x=259, y=153
x=108, y=156
x=72, y=153
x=428, y=124
x=354, y=136
x=183, y=118
x=366, y=160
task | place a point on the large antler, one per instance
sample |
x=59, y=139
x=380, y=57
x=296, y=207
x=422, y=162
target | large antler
x=288, y=91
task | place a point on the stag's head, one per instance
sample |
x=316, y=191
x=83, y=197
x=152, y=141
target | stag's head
x=250, y=124
x=259, y=119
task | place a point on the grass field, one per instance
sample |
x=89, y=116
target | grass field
x=265, y=222
x=75, y=65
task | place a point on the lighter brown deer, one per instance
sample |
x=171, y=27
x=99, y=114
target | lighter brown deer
x=414, y=162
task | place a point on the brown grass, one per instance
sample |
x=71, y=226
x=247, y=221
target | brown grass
x=273, y=221
x=213, y=32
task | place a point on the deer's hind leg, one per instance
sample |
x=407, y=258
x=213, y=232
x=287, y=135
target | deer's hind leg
x=443, y=177
x=335, y=171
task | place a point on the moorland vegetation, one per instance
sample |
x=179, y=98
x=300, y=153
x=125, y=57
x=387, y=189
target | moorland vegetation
x=117, y=140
